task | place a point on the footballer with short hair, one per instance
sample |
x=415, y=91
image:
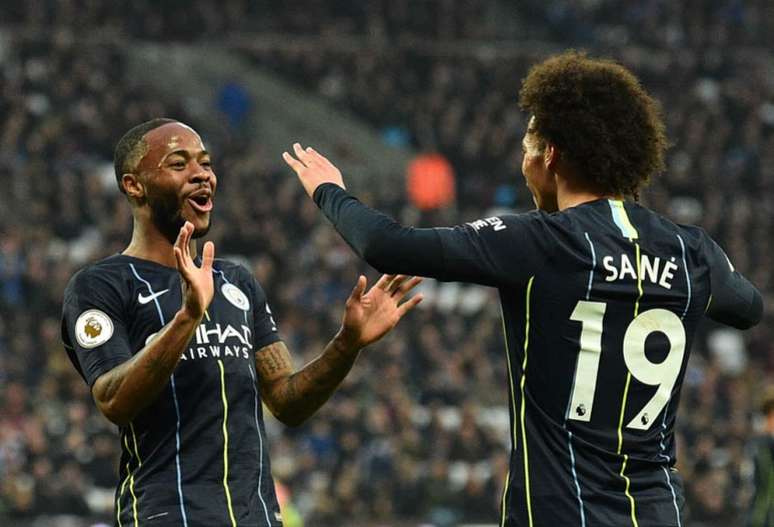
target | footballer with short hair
x=181, y=351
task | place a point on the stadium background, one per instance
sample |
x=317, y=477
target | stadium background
x=418, y=432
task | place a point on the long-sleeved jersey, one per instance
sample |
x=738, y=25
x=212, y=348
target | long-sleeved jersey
x=600, y=304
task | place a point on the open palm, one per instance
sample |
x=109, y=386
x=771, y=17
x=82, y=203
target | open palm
x=368, y=317
x=198, y=283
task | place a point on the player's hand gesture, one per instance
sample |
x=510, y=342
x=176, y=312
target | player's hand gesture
x=368, y=317
x=312, y=168
x=198, y=284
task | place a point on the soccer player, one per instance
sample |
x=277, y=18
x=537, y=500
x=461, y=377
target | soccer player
x=600, y=297
x=180, y=352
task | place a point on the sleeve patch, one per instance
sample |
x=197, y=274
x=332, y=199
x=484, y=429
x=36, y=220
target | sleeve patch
x=93, y=328
x=496, y=223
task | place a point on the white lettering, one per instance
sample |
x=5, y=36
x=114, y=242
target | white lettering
x=626, y=267
x=231, y=332
x=219, y=335
x=667, y=275
x=607, y=262
x=205, y=333
x=216, y=351
x=495, y=222
x=649, y=267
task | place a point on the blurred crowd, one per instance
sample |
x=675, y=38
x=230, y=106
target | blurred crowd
x=419, y=430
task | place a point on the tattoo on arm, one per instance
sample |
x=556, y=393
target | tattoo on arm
x=294, y=396
x=271, y=360
x=128, y=388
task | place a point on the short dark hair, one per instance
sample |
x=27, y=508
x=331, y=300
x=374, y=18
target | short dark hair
x=124, y=156
x=600, y=118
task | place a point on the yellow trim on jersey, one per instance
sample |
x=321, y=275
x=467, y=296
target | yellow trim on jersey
x=623, y=410
x=639, y=280
x=131, y=479
x=626, y=392
x=514, y=434
x=225, y=441
x=626, y=491
x=505, y=494
x=123, y=485
x=207, y=315
x=523, y=406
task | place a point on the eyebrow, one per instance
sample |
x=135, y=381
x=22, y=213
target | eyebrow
x=183, y=153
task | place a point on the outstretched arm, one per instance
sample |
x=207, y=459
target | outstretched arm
x=378, y=239
x=477, y=253
x=128, y=388
x=294, y=396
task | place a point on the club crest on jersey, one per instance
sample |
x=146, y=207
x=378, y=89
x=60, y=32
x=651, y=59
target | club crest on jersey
x=93, y=328
x=235, y=295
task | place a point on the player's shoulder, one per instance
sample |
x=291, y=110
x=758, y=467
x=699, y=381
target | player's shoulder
x=653, y=225
x=108, y=273
x=237, y=274
x=231, y=271
x=694, y=240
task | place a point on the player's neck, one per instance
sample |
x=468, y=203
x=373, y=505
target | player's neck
x=569, y=195
x=566, y=201
x=149, y=244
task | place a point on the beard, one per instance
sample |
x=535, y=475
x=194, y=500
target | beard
x=167, y=216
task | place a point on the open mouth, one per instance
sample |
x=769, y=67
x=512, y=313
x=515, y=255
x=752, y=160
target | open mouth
x=200, y=202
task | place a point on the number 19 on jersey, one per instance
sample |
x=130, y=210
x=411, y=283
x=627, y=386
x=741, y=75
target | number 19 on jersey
x=663, y=374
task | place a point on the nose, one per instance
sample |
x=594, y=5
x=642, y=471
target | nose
x=201, y=175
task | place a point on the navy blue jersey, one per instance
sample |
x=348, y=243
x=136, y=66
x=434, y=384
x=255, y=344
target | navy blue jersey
x=600, y=304
x=197, y=456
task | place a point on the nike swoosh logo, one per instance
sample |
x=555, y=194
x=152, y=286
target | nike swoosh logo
x=150, y=298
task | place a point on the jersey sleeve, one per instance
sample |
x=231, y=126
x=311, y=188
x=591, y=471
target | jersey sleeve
x=94, y=329
x=493, y=251
x=265, y=330
x=734, y=301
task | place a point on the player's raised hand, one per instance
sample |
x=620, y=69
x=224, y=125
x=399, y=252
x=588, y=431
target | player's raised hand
x=369, y=316
x=198, y=284
x=312, y=168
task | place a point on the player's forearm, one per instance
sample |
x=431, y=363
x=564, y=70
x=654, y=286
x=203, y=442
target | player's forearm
x=296, y=397
x=381, y=241
x=130, y=387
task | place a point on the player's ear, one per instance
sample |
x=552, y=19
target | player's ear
x=550, y=156
x=133, y=187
